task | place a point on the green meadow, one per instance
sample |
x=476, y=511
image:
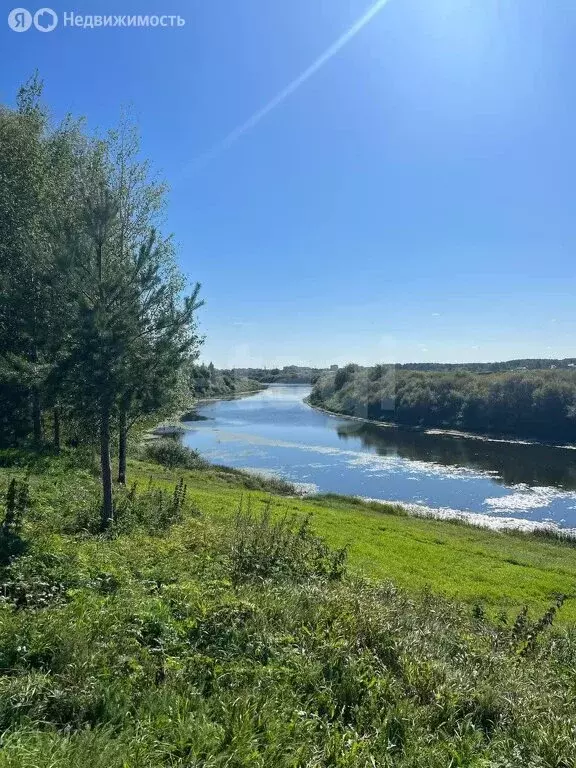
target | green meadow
x=223, y=621
x=503, y=570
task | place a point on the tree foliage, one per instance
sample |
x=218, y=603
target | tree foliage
x=524, y=403
x=94, y=326
x=205, y=381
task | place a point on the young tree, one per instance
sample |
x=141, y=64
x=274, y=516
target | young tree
x=98, y=337
x=133, y=330
x=164, y=333
x=163, y=338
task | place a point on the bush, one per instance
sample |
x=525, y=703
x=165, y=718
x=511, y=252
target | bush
x=264, y=548
x=171, y=453
x=154, y=510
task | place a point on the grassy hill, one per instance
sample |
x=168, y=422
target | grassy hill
x=211, y=627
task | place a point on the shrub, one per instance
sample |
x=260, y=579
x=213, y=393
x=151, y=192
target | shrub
x=153, y=510
x=171, y=453
x=265, y=548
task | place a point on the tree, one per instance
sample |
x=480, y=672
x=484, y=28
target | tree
x=93, y=324
x=163, y=333
x=98, y=337
x=37, y=167
x=133, y=330
x=163, y=338
x=22, y=187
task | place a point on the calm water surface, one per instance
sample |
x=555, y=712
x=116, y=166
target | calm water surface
x=275, y=431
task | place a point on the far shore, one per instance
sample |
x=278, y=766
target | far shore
x=224, y=397
x=174, y=424
x=483, y=436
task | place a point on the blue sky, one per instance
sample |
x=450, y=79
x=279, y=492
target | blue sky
x=414, y=200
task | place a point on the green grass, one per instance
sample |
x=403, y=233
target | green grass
x=213, y=628
x=503, y=570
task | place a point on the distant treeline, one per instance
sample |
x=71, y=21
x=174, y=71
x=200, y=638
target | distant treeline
x=206, y=381
x=531, y=364
x=299, y=374
x=290, y=374
x=524, y=403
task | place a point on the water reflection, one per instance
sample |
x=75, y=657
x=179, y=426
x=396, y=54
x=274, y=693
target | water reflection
x=509, y=463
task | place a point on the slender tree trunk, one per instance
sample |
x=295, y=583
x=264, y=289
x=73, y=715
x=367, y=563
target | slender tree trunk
x=107, y=500
x=122, y=440
x=36, y=416
x=56, y=413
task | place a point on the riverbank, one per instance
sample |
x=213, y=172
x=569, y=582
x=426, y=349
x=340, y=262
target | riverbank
x=492, y=560
x=504, y=570
x=208, y=382
x=175, y=425
x=211, y=626
x=483, y=437
x=533, y=405
x=203, y=400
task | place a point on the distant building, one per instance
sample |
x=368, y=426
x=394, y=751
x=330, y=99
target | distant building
x=333, y=367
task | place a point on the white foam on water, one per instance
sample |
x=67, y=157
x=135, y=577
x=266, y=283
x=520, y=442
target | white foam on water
x=513, y=501
x=524, y=498
x=373, y=463
x=492, y=522
x=481, y=438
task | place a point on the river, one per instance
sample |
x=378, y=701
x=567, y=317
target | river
x=274, y=431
